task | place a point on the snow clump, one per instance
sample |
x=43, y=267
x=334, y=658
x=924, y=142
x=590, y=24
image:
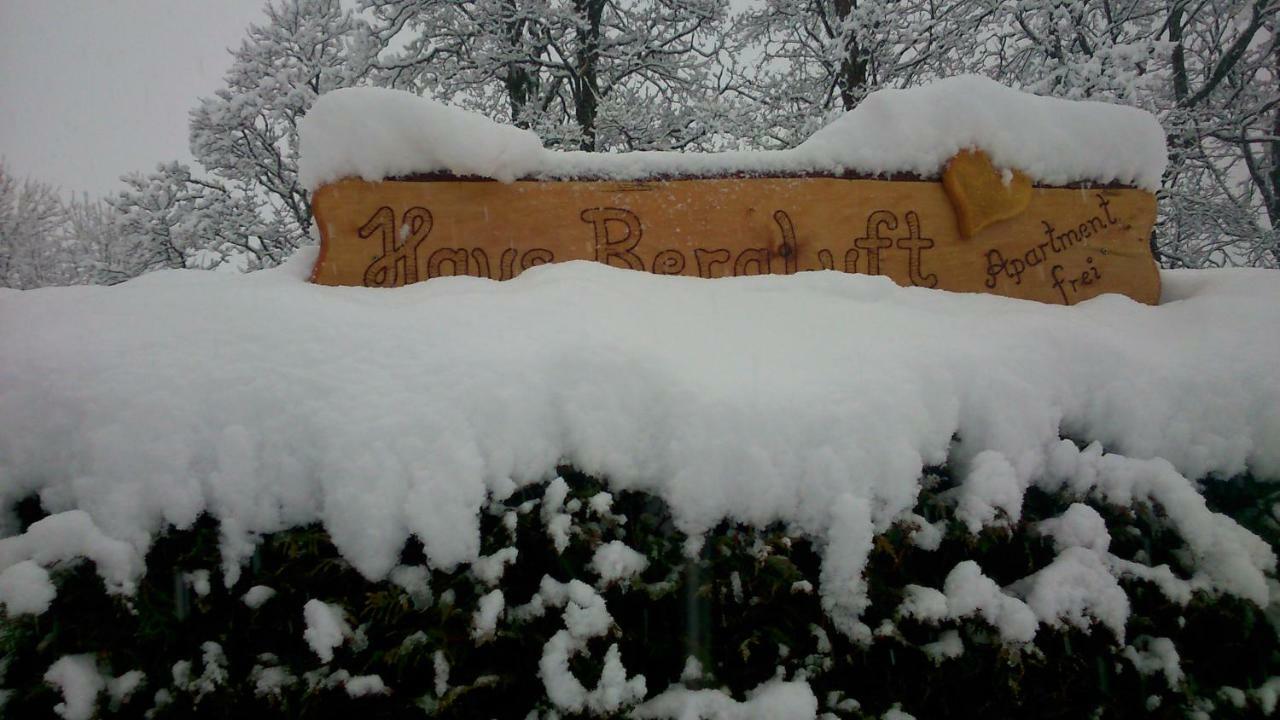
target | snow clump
x=614, y=561
x=326, y=628
x=25, y=589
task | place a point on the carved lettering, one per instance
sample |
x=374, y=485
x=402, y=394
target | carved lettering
x=825, y=261
x=539, y=256
x=1105, y=204
x=507, y=264
x=1057, y=243
x=611, y=251
x=398, y=263
x=755, y=257
x=1062, y=281
x=915, y=246
x=787, y=248
x=668, y=262
x=708, y=260
x=873, y=242
x=1068, y=245
x=481, y=259
x=456, y=257
x=995, y=266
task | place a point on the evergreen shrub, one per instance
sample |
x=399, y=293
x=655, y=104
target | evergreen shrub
x=745, y=605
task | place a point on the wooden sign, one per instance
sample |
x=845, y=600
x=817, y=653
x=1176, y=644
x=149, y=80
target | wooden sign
x=1066, y=245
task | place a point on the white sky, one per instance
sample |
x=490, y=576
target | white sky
x=93, y=89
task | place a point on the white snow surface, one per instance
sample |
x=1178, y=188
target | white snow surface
x=374, y=133
x=970, y=593
x=68, y=536
x=1078, y=589
x=78, y=678
x=258, y=595
x=1156, y=655
x=326, y=628
x=815, y=400
x=362, y=685
x=771, y=700
x=1079, y=526
x=614, y=561
x=25, y=589
x=485, y=621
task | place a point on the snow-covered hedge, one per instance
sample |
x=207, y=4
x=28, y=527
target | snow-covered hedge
x=364, y=457
x=589, y=603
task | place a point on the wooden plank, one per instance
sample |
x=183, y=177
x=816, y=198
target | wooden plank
x=1070, y=244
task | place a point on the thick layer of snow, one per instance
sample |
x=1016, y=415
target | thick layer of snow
x=374, y=134
x=815, y=400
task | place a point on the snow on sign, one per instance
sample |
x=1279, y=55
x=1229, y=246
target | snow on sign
x=429, y=208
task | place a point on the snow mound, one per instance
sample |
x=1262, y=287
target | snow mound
x=374, y=134
x=814, y=400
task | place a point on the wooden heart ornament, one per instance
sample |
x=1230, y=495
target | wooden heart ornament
x=982, y=195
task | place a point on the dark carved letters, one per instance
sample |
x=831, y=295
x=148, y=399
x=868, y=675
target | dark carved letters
x=618, y=233
x=609, y=250
x=787, y=248
x=398, y=263
x=668, y=262
x=915, y=245
x=535, y=257
x=709, y=259
x=757, y=257
x=456, y=257
x=873, y=242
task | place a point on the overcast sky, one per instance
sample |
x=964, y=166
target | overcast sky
x=92, y=89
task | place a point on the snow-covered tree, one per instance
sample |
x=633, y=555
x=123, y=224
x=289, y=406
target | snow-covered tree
x=103, y=251
x=172, y=218
x=1222, y=113
x=33, y=252
x=156, y=212
x=247, y=133
x=799, y=61
x=1207, y=69
x=587, y=74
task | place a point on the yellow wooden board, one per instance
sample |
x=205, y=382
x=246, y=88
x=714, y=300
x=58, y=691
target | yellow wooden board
x=1068, y=245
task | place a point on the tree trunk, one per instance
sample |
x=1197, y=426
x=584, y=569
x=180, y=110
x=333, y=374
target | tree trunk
x=519, y=81
x=587, y=87
x=1273, y=209
x=853, y=64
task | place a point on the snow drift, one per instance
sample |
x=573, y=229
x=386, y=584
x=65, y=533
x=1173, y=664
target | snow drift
x=374, y=133
x=814, y=399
